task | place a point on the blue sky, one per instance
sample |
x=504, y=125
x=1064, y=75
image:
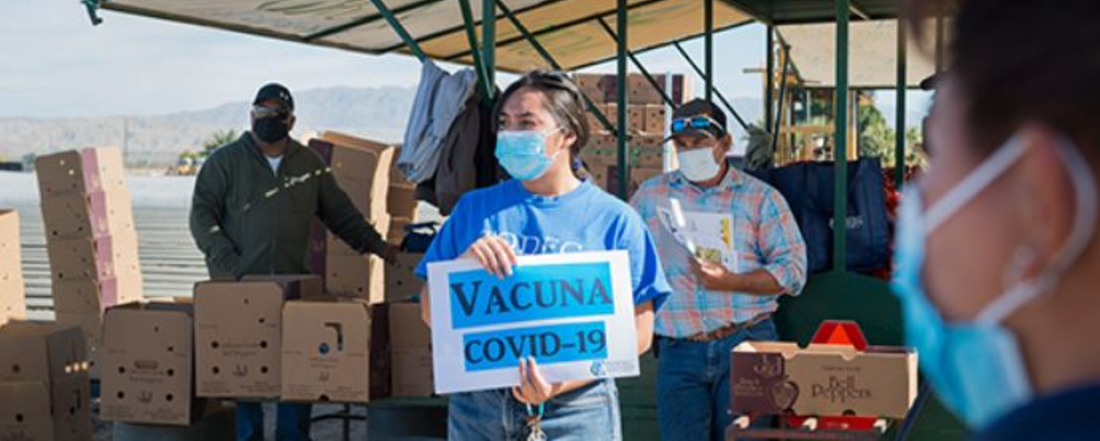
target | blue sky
x=56, y=64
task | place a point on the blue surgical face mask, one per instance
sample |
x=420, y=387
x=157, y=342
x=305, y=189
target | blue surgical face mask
x=522, y=153
x=976, y=366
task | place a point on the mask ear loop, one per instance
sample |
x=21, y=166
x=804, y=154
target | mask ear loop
x=1084, y=184
x=974, y=184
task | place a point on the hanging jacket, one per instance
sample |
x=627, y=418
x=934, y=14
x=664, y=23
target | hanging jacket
x=467, y=159
x=440, y=98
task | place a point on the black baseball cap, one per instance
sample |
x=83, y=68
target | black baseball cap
x=275, y=91
x=700, y=107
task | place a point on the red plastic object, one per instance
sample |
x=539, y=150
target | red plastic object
x=840, y=332
x=849, y=423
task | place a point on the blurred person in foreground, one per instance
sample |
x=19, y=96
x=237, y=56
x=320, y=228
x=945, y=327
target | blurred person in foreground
x=997, y=247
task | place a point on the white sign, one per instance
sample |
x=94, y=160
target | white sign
x=573, y=313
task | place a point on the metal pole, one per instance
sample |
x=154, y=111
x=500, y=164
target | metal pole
x=899, y=121
x=471, y=37
x=840, y=142
x=779, y=104
x=489, y=41
x=769, y=80
x=401, y=32
x=708, y=44
x=620, y=58
x=717, y=93
x=554, y=64
x=641, y=68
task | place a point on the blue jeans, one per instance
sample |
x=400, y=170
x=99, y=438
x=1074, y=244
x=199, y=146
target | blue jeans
x=693, y=384
x=291, y=424
x=590, y=413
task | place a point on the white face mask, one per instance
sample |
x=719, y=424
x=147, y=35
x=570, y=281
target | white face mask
x=698, y=165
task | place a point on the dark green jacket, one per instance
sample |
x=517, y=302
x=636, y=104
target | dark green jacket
x=247, y=220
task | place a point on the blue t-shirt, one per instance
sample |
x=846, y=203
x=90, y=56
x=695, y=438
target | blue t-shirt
x=585, y=219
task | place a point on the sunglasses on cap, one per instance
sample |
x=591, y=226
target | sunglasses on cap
x=697, y=122
x=262, y=111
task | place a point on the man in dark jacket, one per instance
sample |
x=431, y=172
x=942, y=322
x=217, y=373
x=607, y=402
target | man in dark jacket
x=254, y=201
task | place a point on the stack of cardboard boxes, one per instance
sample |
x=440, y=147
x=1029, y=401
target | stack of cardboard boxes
x=362, y=169
x=281, y=336
x=90, y=235
x=13, y=305
x=647, y=113
x=44, y=385
x=400, y=202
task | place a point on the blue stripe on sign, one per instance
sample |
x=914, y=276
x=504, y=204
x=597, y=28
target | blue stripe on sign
x=547, y=344
x=531, y=293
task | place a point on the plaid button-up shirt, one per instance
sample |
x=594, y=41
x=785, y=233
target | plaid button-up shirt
x=765, y=236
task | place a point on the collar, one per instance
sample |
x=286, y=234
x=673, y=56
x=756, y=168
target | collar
x=292, y=146
x=732, y=181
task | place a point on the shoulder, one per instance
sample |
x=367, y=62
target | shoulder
x=229, y=152
x=650, y=190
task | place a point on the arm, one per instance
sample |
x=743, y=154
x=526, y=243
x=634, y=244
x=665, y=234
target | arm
x=346, y=222
x=716, y=277
x=207, y=215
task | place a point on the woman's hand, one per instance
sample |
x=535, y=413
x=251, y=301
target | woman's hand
x=494, y=254
x=533, y=388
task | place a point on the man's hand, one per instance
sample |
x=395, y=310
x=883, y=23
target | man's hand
x=714, y=276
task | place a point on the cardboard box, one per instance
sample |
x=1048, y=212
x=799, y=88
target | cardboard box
x=88, y=296
x=106, y=164
x=599, y=88
x=654, y=119
x=13, y=305
x=93, y=258
x=146, y=364
x=25, y=411
x=52, y=354
x=636, y=123
x=401, y=280
x=361, y=277
x=326, y=351
x=362, y=168
x=294, y=286
x=411, y=349
x=401, y=202
x=825, y=380
x=337, y=246
x=238, y=339
x=91, y=326
x=397, y=231
x=11, y=251
x=86, y=171
x=78, y=215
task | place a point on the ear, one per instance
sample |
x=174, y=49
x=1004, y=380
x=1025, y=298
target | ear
x=1044, y=195
x=290, y=123
x=722, y=147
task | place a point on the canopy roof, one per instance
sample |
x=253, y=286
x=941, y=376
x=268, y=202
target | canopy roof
x=570, y=30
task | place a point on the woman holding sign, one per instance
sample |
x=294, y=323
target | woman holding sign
x=545, y=209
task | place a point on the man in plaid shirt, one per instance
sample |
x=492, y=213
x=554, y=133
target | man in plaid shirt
x=730, y=248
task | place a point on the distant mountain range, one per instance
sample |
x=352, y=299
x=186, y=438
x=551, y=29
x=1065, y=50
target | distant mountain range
x=157, y=141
